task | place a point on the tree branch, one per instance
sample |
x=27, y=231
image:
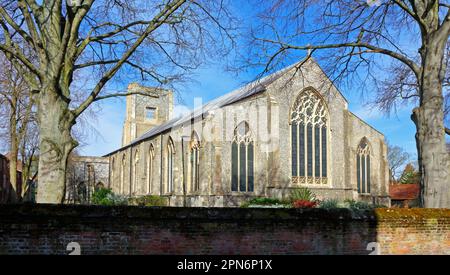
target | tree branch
x=125, y=94
x=16, y=27
x=12, y=52
x=411, y=64
x=412, y=13
x=94, y=63
x=159, y=20
x=30, y=23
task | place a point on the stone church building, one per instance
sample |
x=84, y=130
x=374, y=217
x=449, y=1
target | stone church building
x=290, y=129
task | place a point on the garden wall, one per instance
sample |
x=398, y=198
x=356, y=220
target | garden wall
x=48, y=229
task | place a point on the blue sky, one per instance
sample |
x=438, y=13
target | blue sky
x=213, y=80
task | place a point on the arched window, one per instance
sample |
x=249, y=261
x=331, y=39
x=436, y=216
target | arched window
x=194, y=163
x=363, y=167
x=112, y=169
x=122, y=174
x=134, y=186
x=151, y=156
x=169, y=166
x=309, y=120
x=242, y=155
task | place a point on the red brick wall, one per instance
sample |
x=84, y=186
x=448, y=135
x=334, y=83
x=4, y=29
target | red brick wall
x=45, y=229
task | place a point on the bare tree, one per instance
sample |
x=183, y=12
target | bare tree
x=104, y=40
x=397, y=158
x=357, y=39
x=18, y=106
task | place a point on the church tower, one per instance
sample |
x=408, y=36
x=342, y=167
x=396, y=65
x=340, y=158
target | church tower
x=145, y=112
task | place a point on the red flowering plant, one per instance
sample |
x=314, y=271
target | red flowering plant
x=303, y=198
x=304, y=204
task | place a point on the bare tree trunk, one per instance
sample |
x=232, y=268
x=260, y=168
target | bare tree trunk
x=13, y=149
x=55, y=143
x=434, y=160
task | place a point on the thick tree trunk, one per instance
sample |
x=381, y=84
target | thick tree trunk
x=55, y=144
x=14, y=196
x=434, y=160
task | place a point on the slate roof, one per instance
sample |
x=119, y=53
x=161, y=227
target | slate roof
x=246, y=91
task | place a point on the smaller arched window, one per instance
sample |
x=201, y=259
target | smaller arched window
x=363, y=167
x=169, y=166
x=150, y=158
x=134, y=188
x=122, y=174
x=242, y=156
x=194, y=162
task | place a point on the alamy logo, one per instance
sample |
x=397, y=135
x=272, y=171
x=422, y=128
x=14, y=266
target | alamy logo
x=374, y=3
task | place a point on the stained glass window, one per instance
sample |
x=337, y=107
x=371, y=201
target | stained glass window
x=151, y=155
x=294, y=149
x=234, y=167
x=309, y=120
x=169, y=174
x=250, y=181
x=363, y=167
x=242, y=159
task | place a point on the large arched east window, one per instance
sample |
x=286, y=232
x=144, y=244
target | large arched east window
x=169, y=165
x=363, y=167
x=150, y=158
x=309, y=122
x=242, y=156
x=194, y=163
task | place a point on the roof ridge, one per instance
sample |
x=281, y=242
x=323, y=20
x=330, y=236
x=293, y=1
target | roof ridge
x=233, y=96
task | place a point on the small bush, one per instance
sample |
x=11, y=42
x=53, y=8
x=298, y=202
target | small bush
x=149, y=200
x=357, y=205
x=268, y=202
x=302, y=194
x=329, y=204
x=304, y=204
x=105, y=196
x=264, y=201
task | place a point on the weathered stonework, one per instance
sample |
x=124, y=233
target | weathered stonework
x=136, y=121
x=267, y=112
x=84, y=175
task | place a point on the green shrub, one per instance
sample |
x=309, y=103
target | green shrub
x=302, y=194
x=357, y=205
x=265, y=202
x=149, y=200
x=105, y=196
x=329, y=204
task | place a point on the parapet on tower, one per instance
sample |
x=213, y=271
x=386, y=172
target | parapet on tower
x=145, y=112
